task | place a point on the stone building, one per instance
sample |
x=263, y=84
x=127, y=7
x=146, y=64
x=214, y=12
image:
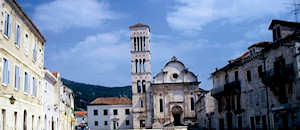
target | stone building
x=66, y=118
x=174, y=95
x=81, y=119
x=261, y=88
x=167, y=101
x=110, y=113
x=205, y=110
x=50, y=101
x=21, y=69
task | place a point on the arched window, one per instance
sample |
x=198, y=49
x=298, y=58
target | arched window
x=45, y=123
x=192, y=104
x=25, y=120
x=140, y=66
x=134, y=41
x=161, y=107
x=144, y=70
x=144, y=86
x=32, y=122
x=138, y=44
x=142, y=104
x=138, y=86
x=136, y=65
x=144, y=45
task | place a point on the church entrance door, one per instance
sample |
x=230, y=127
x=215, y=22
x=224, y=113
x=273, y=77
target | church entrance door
x=176, y=119
x=177, y=112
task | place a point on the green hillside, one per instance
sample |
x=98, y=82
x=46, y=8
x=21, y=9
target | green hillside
x=85, y=93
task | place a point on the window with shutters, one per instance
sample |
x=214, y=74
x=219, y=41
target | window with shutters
x=104, y=112
x=260, y=71
x=17, y=35
x=34, y=53
x=5, y=73
x=7, y=24
x=26, y=82
x=95, y=112
x=115, y=112
x=17, y=77
x=26, y=42
x=34, y=86
x=127, y=112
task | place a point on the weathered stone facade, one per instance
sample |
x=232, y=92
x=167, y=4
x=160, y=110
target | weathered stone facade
x=167, y=101
x=260, y=89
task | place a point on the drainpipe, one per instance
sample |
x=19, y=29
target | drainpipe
x=267, y=92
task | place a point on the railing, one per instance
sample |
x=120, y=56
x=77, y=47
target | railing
x=279, y=76
x=233, y=87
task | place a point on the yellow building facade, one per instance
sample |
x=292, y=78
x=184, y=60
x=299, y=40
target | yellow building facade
x=21, y=69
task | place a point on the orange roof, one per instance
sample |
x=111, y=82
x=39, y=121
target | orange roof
x=112, y=101
x=55, y=74
x=80, y=113
x=244, y=56
x=260, y=44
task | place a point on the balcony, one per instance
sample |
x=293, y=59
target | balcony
x=233, y=87
x=230, y=88
x=279, y=77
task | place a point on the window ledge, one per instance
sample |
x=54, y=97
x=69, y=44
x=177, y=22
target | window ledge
x=5, y=36
x=4, y=84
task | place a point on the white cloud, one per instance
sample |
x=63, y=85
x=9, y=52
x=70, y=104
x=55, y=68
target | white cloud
x=64, y=14
x=103, y=58
x=193, y=15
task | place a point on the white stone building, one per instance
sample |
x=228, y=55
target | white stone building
x=66, y=107
x=50, y=101
x=167, y=101
x=21, y=69
x=110, y=113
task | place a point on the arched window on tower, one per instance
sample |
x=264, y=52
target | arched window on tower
x=144, y=86
x=144, y=69
x=134, y=44
x=140, y=66
x=144, y=45
x=138, y=43
x=138, y=86
x=141, y=43
x=136, y=66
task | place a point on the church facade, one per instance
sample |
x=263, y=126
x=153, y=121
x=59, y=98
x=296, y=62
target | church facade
x=169, y=98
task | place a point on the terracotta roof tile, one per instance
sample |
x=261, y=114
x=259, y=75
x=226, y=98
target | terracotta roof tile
x=261, y=44
x=112, y=101
x=244, y=56
x=80, y=113
x=55, y=74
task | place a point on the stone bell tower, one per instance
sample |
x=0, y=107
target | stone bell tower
x=141, y=76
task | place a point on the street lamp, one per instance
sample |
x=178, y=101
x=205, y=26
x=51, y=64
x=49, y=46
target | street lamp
x=12, y=100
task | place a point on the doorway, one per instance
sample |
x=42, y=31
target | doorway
x=177, y=112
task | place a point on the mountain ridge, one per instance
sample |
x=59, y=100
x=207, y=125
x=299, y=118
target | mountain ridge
x=85, y=93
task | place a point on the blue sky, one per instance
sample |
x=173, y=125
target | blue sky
x=88, y=40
